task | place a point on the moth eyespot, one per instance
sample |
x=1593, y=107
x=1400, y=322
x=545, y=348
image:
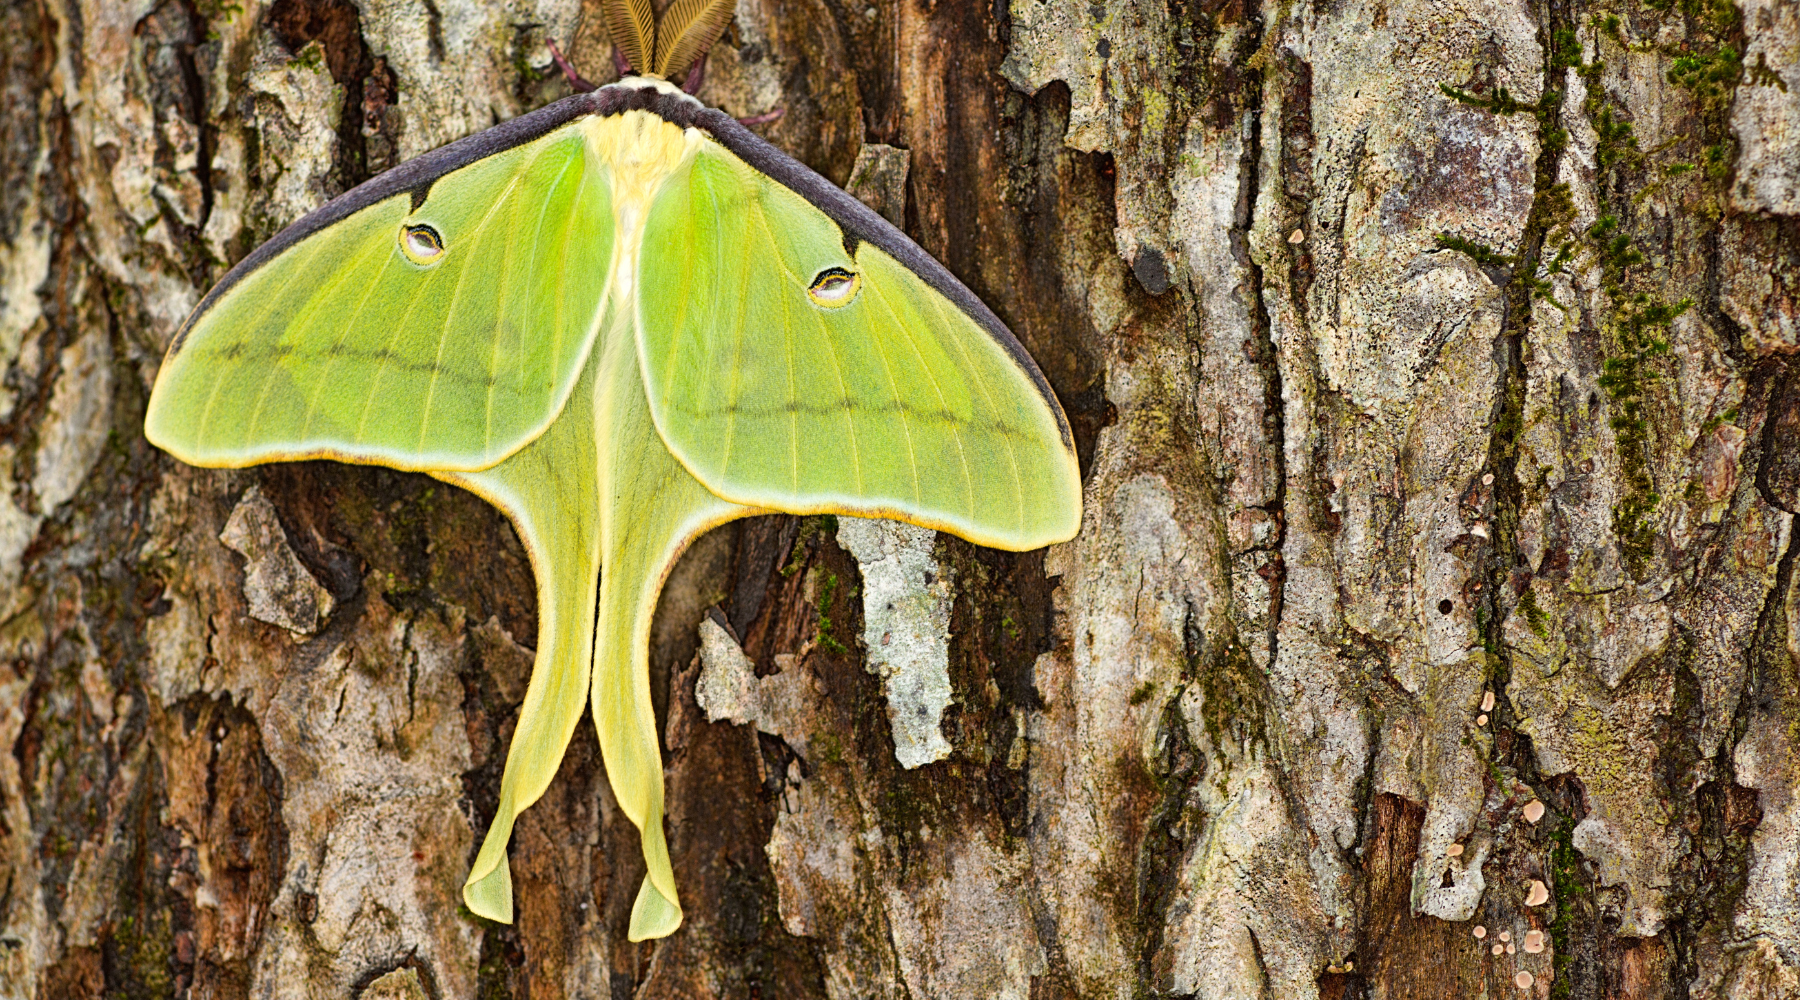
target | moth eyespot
x=421, y=244
x=834, y=287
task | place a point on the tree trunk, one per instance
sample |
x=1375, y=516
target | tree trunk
x=1433, y=631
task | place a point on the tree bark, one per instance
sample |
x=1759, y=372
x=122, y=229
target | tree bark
x=1435, y=373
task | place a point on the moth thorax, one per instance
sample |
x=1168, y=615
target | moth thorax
x=640, y=151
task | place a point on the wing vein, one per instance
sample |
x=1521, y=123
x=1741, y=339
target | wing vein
x=556, y=334
x=426, y=284
x=307, y=308
x=331, y=359
x=955, y=431
x=793, y=396
x=678, y=328
x=523, y=327
x=887, y=366
x=469, y=261
x=718, y=255
x=837, y=368
x=268, y=309
x=787, y=329
x=980, y=380
x=737, y=361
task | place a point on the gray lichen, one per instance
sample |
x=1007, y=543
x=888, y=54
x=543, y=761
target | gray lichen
x=906, y=629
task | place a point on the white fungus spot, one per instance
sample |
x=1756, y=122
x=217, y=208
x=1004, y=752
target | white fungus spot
x=1538, y=895
x=1499, y=949
x=1297, y=236
x=1534, y=942
x=1511, y=948
x=1453, y=850
x=1523, y=980
x=1481, y=720
x=1505, y=935
x=1479, y=531
x=1534, y=810
x=1487, y=480
x=1480, y=932
x=1487, y=700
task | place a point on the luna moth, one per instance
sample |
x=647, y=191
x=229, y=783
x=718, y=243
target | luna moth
x=623, y=319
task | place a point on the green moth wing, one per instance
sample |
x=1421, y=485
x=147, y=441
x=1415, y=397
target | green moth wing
x=597, y=489
x=548, y=491
x=423, y=322
x=651, y=508
x=622, y=319
x=817, y=362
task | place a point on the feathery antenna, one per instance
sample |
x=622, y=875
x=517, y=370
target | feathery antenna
x=632, y=25
x=688, y=29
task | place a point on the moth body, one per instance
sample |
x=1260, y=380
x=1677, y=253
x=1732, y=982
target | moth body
x=623, y=319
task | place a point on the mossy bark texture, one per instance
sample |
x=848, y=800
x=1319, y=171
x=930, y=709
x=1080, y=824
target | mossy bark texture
x=1435, y=371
